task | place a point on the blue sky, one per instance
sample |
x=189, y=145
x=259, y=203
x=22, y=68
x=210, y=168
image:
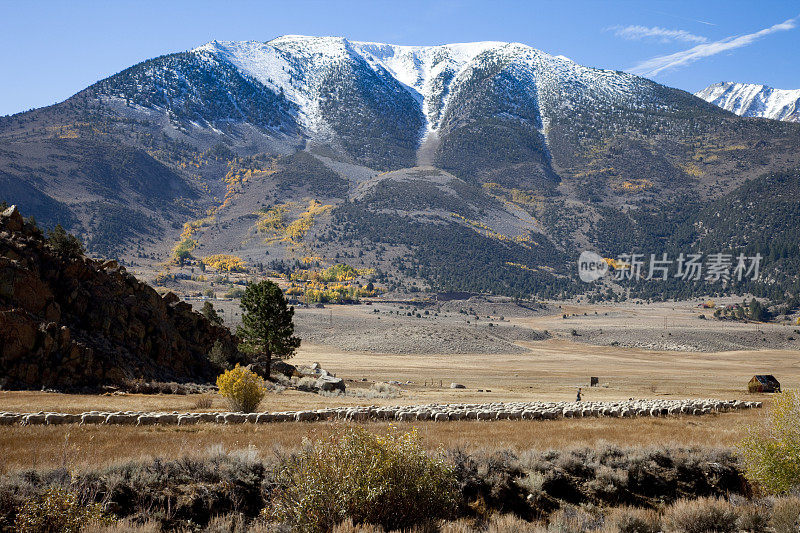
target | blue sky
x=51, y=49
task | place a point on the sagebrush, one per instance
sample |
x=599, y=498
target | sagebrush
x=58, y=510
x=772, y=452
x=388, y=480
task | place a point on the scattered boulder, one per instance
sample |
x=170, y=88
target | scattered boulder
x=314, y=371
x=330, y=384
x=282, y=367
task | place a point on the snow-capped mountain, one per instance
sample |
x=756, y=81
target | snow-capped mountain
x=752, y=100
x=377, y=102
x=483, y=165
x=296, y=65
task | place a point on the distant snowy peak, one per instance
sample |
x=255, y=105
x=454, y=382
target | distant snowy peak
x=751, y=100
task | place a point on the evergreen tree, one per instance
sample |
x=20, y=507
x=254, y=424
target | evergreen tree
x=757, y=311
x=223, y=356
x=267, y=329
x=64, y=244
x=211, y=314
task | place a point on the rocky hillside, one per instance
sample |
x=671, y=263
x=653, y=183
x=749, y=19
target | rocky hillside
x=69, y=322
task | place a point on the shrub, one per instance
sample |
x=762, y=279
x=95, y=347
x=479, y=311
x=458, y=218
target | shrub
x=753, y=518
x=307, y=384
x=211, y=314
x=225, y=263
x=509, y=523
x=243, y=388
x=786, y=515
x=700, y=516
x=123, y=526
x=772, y=453
x=57, y=510
x=635, y=520
x=532, y=482
x=386, y=388
x=571, y=519
x=234, y=292
x=64, y=244
x=203, y=402
x=183, y=250
x=386, y=480
x=223, y=355
x=229, y=523
x=349, y=527
x=609, y=484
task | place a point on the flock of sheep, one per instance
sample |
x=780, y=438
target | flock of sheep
x=435, y=412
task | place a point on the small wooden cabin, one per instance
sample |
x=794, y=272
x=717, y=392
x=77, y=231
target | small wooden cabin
x=764, y=383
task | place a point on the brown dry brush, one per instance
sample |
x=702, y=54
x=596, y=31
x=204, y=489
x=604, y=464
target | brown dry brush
x=173, y=493
x=534, y=484
x=531, y=485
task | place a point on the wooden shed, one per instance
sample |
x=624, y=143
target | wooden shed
x=764, y=383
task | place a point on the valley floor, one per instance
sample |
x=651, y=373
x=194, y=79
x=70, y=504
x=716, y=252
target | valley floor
x=530, y=370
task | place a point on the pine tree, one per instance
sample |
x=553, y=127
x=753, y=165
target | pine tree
x=757, y=311
x=211, y=314
x=64, y=244
x=267, y=329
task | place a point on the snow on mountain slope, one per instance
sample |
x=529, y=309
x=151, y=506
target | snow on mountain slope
x=273, y=68
x=292, y=64
x=751, y=100
x=427, y=71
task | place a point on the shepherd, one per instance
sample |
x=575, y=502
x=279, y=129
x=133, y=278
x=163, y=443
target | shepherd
x=578, y=399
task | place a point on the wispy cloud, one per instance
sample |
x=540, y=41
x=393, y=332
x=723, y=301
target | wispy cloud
x=664, y=35
x=685, y=18
x=656, y=65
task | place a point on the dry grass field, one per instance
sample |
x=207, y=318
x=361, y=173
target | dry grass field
x=81, y=447
x=548, y=370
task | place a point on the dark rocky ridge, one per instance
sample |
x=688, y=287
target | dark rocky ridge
x=76, y=323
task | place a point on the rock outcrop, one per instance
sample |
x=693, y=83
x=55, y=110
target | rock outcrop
x=78, y=323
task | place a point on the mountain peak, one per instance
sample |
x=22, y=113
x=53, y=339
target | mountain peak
x=296, y=65
x=754, y=100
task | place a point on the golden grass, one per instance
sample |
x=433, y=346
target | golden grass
x=289, y=400
x=550, y=371
x=79, y=447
